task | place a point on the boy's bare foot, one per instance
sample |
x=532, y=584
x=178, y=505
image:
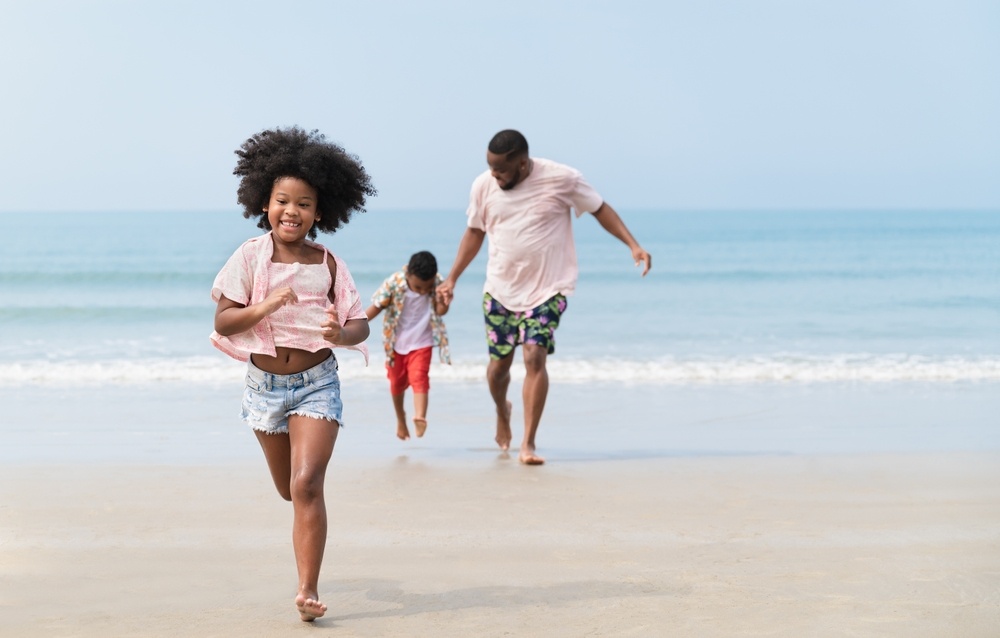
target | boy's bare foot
x=503, y=428
x=402, y=431
x=309, y=608
x=528, y=456
x=420, y=425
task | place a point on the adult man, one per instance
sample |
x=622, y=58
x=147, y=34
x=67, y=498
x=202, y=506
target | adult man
x=523, y=205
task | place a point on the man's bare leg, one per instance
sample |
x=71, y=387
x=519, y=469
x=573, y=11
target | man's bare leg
x=312, y=442
x=420, y=408
x=401, y=430
x=498, y=378
x=535, y=391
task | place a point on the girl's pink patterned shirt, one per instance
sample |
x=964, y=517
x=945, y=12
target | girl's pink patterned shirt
x=245, y=279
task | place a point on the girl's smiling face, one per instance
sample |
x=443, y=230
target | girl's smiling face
x=292, y=211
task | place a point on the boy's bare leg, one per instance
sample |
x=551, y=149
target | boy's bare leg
x=420, y=408
x=498, y=378
x=312, y=442
x=401, y=430
x=535, y=391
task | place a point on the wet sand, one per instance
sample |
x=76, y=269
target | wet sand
x=861, y=545
x=705, y=511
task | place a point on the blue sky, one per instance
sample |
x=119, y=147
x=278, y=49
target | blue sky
x=138, y=106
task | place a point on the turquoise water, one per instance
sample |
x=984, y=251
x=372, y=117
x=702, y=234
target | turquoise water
x=752, y=297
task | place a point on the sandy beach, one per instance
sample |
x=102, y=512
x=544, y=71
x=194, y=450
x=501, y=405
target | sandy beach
x=443, y=538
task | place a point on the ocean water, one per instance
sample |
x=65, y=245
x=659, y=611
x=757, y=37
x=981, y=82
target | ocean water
x=734, y=297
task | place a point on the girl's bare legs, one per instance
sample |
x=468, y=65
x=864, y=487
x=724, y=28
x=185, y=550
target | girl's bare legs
x=277, y=452
x=312, y=442
x=298, y=462
x=420, y=412
x=402, y=432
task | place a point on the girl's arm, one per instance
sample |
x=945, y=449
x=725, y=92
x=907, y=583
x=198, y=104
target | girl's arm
x=233, y=318
x=353, y=332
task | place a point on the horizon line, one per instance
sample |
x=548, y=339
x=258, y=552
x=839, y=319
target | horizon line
x=642, y=209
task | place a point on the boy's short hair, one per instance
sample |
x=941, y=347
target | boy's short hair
x=423, y=266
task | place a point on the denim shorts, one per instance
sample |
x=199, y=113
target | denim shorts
x=269, y=399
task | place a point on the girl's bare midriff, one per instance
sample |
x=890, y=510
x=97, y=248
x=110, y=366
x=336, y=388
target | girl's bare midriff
x=289, y=360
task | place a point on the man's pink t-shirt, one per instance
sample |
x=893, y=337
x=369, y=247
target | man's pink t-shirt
x=532, y=256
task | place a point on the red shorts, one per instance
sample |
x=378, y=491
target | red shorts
x=410, y=370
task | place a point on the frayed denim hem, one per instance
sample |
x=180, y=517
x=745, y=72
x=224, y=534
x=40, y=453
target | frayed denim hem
x=284, y=428
x=315, y=415
x=266, y=431
x=269, y=399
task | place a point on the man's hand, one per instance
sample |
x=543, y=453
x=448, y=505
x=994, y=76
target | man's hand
x=445, y=291
x=642, y=257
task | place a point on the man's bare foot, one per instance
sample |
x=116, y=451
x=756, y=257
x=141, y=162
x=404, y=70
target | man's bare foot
x=309, y=608
x=528, y=457
x=420, y=425
x=402, y=431
x=503, y=428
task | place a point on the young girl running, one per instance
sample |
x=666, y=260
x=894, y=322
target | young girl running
x=283, y=303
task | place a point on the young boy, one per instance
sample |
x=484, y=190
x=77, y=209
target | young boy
x=412, y=326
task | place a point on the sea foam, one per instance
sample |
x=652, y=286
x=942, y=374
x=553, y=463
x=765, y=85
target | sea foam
x=773, y=368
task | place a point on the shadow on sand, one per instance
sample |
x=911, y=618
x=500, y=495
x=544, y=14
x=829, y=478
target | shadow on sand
x=395, y=602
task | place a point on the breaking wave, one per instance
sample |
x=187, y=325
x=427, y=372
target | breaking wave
x=776, y=368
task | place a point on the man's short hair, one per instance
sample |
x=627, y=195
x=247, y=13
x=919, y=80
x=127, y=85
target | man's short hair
x=509, y=143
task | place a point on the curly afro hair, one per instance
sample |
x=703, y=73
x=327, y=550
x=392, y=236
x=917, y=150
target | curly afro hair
x=340, y=180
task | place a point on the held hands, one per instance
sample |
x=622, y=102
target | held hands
x=445, y=292
x=443, y=299
x=642, y=257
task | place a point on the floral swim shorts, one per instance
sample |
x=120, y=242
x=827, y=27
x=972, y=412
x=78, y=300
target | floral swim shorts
x=507, y=328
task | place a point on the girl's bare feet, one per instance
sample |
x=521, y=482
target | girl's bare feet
x=503, y=428
x=309, y=607
x=420, y=425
